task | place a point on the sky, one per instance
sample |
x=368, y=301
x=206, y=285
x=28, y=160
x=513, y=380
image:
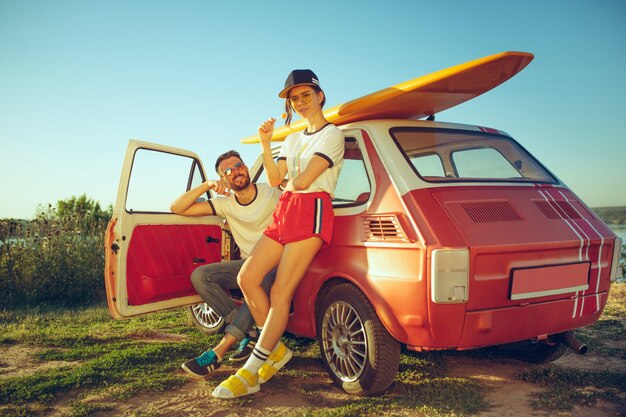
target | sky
x=78, y=79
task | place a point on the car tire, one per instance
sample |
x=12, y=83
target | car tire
x=358, y=353
x=540, y=352
x=205, y=318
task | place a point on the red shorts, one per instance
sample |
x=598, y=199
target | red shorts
x=299, y=216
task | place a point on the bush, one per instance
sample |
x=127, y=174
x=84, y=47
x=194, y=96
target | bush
x=55, y=259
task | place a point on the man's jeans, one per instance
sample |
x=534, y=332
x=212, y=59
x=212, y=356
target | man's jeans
x=212, y=282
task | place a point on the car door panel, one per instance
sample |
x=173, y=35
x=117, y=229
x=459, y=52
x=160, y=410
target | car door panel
x=161, y=259
x=152, y=252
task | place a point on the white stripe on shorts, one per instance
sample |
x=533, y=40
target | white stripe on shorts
x=317, y=225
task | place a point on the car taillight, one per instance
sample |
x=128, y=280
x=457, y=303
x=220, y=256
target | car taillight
x=616, y=271
x=449, y=275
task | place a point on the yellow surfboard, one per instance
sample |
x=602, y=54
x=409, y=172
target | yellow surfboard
x=423, y=96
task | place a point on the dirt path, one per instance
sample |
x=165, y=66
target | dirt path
x=511, y=397
x=305, y=386
x=291, y=395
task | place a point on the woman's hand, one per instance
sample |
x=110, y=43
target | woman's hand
x=266, y=130
x=275, y=171
x=288, y=186
x=314, y=169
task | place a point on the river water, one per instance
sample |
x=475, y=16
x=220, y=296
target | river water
x=619, y=230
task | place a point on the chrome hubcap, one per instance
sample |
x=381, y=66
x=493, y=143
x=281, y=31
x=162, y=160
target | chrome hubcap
x=344, y=341
x=206, y=316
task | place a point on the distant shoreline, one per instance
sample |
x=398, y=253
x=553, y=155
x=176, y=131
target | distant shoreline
x=615, y=216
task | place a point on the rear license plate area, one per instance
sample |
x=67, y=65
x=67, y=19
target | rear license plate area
x=544, y=281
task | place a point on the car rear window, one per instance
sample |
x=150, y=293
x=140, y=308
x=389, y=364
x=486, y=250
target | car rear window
x=458, y=155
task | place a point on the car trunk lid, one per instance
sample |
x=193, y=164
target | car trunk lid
x=527, y=244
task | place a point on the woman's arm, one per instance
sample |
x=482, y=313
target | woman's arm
x=314, y=169
x=275, y=171
x=330, y=149
x=186, y=204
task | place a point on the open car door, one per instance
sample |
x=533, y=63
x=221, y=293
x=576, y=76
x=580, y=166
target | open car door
x=151, y=252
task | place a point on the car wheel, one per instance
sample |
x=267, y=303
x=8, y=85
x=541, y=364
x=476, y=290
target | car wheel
x=205, y=318
x=359, y=354
x=540, y=352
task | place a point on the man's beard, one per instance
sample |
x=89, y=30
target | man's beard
x=243, y=185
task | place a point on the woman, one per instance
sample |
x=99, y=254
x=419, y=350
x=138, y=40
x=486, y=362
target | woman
x=302, y=225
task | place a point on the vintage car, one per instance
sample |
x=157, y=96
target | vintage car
x=446, y=236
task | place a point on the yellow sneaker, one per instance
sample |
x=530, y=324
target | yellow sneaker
x=238, y=385
x=277, y=359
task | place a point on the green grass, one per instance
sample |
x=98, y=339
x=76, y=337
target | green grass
x=569, y=387
x=103, y=362
x=420, y=388
x=107, y=357
x=107, y=361
x=610, y=327
x=565, y=387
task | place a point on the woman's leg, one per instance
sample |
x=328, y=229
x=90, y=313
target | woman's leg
x=264, y=257
x=295, y=260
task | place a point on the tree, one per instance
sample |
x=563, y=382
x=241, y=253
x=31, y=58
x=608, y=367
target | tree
x=83, y=208
x=56, y=258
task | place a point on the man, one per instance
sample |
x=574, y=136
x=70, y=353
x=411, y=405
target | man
x=248, y=209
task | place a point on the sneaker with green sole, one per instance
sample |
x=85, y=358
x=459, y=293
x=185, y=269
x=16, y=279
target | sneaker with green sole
x=246, y=346
x=203, y=365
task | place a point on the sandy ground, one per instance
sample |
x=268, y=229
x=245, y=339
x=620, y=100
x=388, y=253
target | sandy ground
x=286, y=396
x=290, y=394
x=511, y=397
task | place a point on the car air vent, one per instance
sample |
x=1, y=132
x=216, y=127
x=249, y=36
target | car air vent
x=565, y=209
x=490, y=211
x=383, y=228
x=547, y=209
x=569, y=210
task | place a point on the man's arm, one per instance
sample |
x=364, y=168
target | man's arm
x=186, y=204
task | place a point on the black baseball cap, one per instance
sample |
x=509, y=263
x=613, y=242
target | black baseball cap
x=299, y=77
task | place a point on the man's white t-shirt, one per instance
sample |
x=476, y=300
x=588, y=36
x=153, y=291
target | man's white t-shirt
x=247, y=221
x=300, y=147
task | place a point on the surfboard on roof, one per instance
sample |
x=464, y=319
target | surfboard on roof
x=422, y=96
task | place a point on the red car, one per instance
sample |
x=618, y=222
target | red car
x=446, y=236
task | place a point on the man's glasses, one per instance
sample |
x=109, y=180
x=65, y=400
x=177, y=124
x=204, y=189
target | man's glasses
x=228, y=171
x=304, y=98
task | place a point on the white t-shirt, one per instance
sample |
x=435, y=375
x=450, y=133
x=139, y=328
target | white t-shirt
x=247, y=221
x=300, y=147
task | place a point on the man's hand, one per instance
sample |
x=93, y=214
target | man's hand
x=266, y=130
x=220, y=187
